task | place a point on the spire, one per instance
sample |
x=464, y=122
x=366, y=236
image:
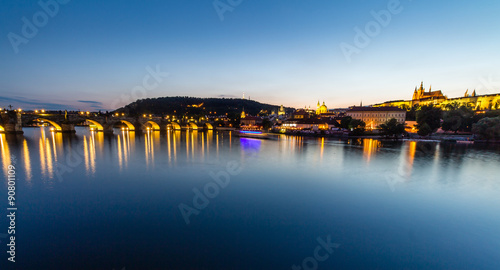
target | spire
x=318, y=103
x=422, y=85
x=474, y=93
x=430, y=86
x=361, y=104
x=466, y=93
x=243, y=95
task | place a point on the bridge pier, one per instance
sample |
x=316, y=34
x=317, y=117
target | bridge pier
x=13, y=128
x=107, y=128
x=67, y=128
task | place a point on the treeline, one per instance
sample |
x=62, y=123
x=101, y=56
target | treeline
x=458, y=119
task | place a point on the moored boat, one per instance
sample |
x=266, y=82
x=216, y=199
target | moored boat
x=257, y=134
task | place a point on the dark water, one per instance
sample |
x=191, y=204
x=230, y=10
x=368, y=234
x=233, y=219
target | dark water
x=89, y=201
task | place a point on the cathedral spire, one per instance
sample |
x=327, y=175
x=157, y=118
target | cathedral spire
x=474, y=93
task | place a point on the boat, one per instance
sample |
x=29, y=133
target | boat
x=256, y=134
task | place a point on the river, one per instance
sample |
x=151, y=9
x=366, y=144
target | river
x=210, y=200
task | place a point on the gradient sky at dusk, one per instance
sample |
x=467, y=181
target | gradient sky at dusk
x=91, y=54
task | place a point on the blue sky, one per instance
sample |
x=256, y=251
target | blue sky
x=96, y=54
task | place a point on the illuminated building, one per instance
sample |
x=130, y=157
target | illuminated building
x=308, y=124
x=321, y=109
x=251, y=122
x=437, y=98
x=281, y=111
x=300, y=114
x=429, y=97
x=375, y=116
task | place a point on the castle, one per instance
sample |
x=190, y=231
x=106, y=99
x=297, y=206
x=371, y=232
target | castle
x=437, y=98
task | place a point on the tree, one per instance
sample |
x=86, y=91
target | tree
x=487, y=128
x=411, y=115
x=344, y=122
x=452, y=106
x=357, y=126
x=424, y=130
x=431, y=116
x=458, y=119
x=266, y=124
x=392, y=128
x=405, y=107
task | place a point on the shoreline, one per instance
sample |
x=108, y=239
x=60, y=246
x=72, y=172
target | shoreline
x=440, y=138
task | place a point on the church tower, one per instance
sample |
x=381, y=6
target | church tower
x=281, y=110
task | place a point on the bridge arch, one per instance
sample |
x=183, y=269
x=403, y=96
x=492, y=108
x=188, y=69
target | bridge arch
x=2, y=129
x=192, y=125
x=54, y=124
x=154, y=125
x=129, y=125
x=208, y=126
x=97, y=124
x=175, y=125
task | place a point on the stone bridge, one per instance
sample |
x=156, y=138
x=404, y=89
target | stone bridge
x=12, y=122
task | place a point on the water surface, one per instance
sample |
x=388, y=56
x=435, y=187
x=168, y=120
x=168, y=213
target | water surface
x=91, y=201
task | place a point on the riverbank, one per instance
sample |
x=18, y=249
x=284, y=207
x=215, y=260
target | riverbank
x=436, y=137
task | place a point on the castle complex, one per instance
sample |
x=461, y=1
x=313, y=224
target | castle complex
x=437, y=98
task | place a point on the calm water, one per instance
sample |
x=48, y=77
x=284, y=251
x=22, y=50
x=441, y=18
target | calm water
x=89, y=201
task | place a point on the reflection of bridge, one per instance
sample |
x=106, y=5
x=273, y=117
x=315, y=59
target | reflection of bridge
x=13, y=123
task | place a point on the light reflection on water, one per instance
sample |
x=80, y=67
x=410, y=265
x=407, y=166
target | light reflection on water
x=292, y=190
x=96, y=150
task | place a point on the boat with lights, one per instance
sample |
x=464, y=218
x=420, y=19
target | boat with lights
x=253, y=133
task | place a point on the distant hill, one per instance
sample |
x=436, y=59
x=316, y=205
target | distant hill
x=197, y=106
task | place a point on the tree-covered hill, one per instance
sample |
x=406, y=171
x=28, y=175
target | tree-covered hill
x=197, y=106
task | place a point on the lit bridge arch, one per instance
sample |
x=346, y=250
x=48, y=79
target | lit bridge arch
x=97, y=124
x=174, y=125
x=192, y=125
x=154, y=125
x=54, y=124
x=129, y=125
x=208, y=126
